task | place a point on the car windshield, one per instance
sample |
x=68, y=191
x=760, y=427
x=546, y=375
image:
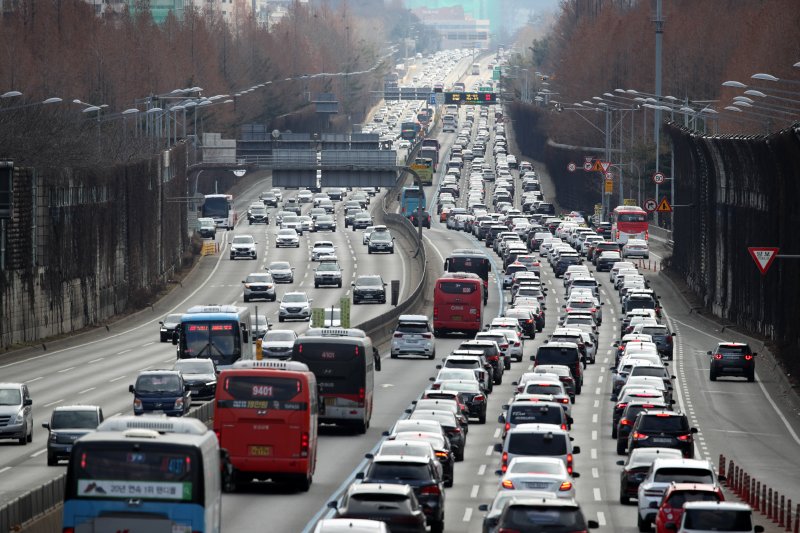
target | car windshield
x=10, y=397
x=260, y=320
x=292, y=298
x=322, y=245
x=716, y=520
x=258, y=209
x=279, y=266
x=74, y=420
x=525, y=443
x=279, y=336
x=328, y=267
x=683, y=475
x=369, y=282
x=257, y=278
x=158, y=383
x=195, y=367
x=243, y=239
x=463, y=386
x=172, y=319
x=287, y=232
x=398, y=472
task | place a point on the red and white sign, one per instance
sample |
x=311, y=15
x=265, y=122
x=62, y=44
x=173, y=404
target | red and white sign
x=763, y=256
x=650, y=204
x=609, y=175
x=587, y=166
x=587, y=158
x=658, y=178
x=571, y=167
x=605, y=165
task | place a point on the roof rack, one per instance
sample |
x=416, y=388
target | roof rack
x=271, y=364
x=160, y=424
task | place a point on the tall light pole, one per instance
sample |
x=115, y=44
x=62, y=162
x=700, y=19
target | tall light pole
x=659, y=22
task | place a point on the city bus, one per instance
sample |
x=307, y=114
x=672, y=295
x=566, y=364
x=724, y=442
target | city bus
x=410, y=200
x=628, y=222
x=217, y=332
x=470, y=260
x=430, y=152
x=220, y=208
x=265, y=416
x=344, y=363
x=458, y=304
x=476, y=69
x=144, y=474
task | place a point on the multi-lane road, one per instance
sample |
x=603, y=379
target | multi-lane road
x=745, y=421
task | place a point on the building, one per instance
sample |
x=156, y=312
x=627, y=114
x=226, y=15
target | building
x=456, y=28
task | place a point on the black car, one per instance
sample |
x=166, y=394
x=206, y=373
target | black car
x=622, y=429
x=606, y=260
x=662, y=336
x=67, y=424
x=394, y=504
x=473, y=396
x=324, y=223
x=733, y=358
x=526, y=319
x=425, y=217
x=168, y=326
x=369, y=288
x=200, y=377
x=662, y=429
x=417, y=472
x=160, y=391
x=269, y=199
x=564, y=263
x=257, y=214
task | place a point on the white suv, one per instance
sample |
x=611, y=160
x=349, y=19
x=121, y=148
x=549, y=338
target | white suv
x=413, y=336
x=295, y=305
x=322, y=248
x=243, y=246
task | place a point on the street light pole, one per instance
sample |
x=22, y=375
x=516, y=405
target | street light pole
x=659, y=22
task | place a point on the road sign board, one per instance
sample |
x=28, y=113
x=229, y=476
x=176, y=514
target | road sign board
x=663, y=206
x=659, y=178
x=609, y=175
x=587, y=166
x=598, y=166
x=650, y=204
x=605, y=165
x=432, y=99
x=763, y=256
x=598, y=209
x=609, y=186
x=571, y=167
x=629, y=201
x=587, y=158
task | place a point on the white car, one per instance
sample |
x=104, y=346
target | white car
x=539, y=473
x=287, y=237
x=322, y=248
x=295, y=305
x=636, y=248
x=404, y=144
x=243, y=246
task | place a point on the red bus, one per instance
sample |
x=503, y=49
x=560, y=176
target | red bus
x=471, y=260
x=458, y=304
x=628, y=222
x=265, y=416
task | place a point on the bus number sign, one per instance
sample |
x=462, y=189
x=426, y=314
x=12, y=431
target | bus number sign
x=264, y=391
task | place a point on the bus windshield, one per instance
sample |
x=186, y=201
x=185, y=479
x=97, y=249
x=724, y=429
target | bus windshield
x=475, y=265
x=215, y=207
x=254, y=391
x=144, y=471
x=218, y=341
x=631, y=217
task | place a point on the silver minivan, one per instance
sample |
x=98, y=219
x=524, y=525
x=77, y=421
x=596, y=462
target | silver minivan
x=16, y=412
x=413, y=336
x=537, y=439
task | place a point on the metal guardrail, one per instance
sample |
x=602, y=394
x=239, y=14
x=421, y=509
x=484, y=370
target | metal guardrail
x=36, y=502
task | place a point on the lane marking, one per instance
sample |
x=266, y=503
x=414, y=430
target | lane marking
x=96, y=360
x=148, y=343
x=474, y=492
x=34, y=379
x=601, y=518
x=489, y=450
x=595, y=473
x=497, y=433
x=116, y=379
x=482, y=470
x=66, y=370
x=5, y=469
x=126, y=351
x=467, y=514
x=87, y=390
x=593, y=453
x=40, y=452
x=597, y=495
x=53, y=403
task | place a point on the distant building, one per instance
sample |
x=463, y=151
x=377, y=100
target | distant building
x=455, y=27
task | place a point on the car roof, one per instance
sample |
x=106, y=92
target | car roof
x=76, y=408
x=379, y=488
x=415, y=459
x=413, y=318
x=646, y=456
x=156, y=372
x=681, y=462
x=544, y=502
x=538, y=428
x=726, y=505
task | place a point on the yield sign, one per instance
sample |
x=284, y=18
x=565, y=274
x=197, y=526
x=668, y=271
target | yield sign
x=605, y=165
x=763, y=256
x=664, y=206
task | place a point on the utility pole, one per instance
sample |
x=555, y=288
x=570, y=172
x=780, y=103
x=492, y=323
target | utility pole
x=657, y=121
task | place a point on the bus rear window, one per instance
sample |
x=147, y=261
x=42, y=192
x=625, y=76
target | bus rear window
x=327, y=352
x=411, y=193
x=457, y=287
x=631, y=217
x=262, y=388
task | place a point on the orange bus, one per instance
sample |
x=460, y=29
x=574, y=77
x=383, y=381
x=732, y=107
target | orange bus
x=265, y=416
x=458, y=304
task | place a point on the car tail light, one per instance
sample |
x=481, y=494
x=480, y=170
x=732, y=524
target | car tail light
x=569, y=463
x=529, y=321
x=685, y=438
x=304, y=444
x=508, y=426
x=717, y=356
x=507, y=530
x=625, y=422
x=68, y=530
x=639, y=436
x=455, y=430
x=669, y=339
x=430, y=489
x=564, y=400
x=563, y=426
x=398, y=335
x=505, y=461
x=493, y=357
x=748, y=357
x=443, y=455
x=435, y=386
x=517, y=342
x=621, y=406
x=426, y=335
x=566, y=485
x=361, y=397
x=507, y=484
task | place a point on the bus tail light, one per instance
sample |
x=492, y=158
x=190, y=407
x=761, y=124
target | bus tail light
x=68, y=530
x=361, y=397
x=304, y=444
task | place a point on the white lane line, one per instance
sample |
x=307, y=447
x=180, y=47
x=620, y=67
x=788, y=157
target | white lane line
x=474, y=492
x=597, y=495
x=34, y=379
x=593, y=453
x=600, y=377
x=594, y=418
x=596, y=404
x=87, y=390
x=597, y=391
x=594, y=435
x=467, y=514
x=40, y=452
x=116, y=379
x=5, y=469
x=489, y=450
x=148, y=343
x=497, y=433
x=601, y=518
x=96, y=360
x=66, y=369
x=126, y=351
x=482, y=470
x=595, y=473
x=53, y=403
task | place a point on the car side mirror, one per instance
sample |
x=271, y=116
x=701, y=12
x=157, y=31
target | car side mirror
x=46, y=426
x=576, y=449
x=576, y=475
x=438, y=367
x=694, y=430
x=621, y=463
x=592, y=524
x=360, y=475
x=673, y=334
x=708, y=352
x=162, y=322
x=754, y=353
x=353, y=284
x=431, y=379
x=131, y=389
x=498, y=447
x=483, y=507
x=333, y=505
x=369, y=456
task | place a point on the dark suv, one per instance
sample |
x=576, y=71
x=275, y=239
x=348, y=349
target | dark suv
x=67, y=424
x=160, y=391
x=418, y=472
x=622, y=429
x=662, y=429
x=492, y=353
x=370, y=288
x=733, y=358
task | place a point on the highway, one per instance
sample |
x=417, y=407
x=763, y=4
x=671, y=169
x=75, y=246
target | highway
x=742, y=420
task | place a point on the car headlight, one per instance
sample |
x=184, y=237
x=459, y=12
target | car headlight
x=53, y=436
x=17, y=418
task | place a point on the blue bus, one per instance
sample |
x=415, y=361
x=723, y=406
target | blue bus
x=410, y=199
x=218, y=332
x=144, y=474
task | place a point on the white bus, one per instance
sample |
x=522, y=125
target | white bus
x=476, y=69
x=220, y=208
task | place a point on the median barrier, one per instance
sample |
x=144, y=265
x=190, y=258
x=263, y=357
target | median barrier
x=32, y=504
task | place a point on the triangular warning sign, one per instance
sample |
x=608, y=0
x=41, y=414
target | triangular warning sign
x=605, y=165
x=664, y=206
x=763, y=256
x=598, y=166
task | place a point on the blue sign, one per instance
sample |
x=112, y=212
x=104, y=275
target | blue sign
x=432, y=99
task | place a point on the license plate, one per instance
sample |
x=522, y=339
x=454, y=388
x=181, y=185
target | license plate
x=259, y=451
x=68, y=449
x=662, y=440
x=536, y=485
x=412, y=341
x=456, y=317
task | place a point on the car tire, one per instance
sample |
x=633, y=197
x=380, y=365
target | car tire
x=23, y=440
x=246, y=299
x=622, y=448
x=280, y=319
x=163, y=338
x=52, y=460
x=624, y=500
x=751, y=377
x=482, y=418
x=340, y=285
x=393, y=355
x=643, y=525
x=712, y=375
x=231, y=258
x=362, y=427
x=448, y=483
x=369, y=251
x=316, y=285
x=437, y=527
